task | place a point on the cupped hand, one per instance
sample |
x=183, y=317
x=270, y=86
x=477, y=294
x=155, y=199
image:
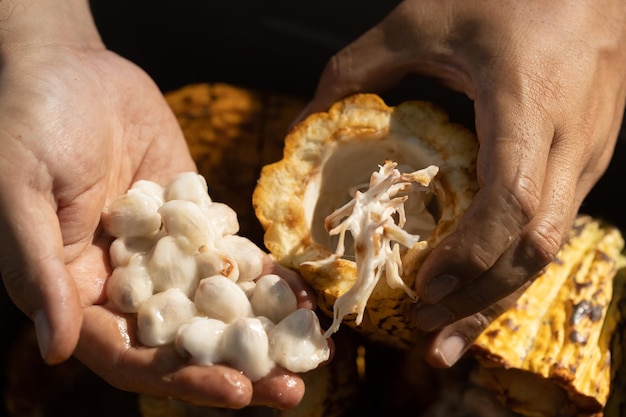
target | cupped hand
x=78, y=126
x=548, y=83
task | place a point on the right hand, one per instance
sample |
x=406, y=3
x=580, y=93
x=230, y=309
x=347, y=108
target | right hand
x=548, y=81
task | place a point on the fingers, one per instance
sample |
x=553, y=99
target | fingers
x=34, y=272
x=107, y=346
x=515, y=225
x=280, y=389
x=109, y=349
x=352, y=70
x=409, y=40
x=446, y=346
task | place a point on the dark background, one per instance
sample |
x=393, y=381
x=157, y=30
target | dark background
x=275, y=45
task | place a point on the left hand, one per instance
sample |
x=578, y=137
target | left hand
x=80, y=125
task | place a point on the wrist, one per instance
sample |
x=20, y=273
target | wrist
x=33, y=23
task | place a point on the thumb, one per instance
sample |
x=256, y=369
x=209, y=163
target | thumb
x=34, y=272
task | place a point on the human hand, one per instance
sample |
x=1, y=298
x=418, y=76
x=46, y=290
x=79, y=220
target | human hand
x=79, y=126
x=548, y=83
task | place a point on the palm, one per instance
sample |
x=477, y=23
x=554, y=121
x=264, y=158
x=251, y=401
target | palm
x=129, y=135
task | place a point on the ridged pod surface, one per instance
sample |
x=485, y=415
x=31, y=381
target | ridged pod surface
x=550, y=354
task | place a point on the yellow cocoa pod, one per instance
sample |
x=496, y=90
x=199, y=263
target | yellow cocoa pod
x=329, y=154
x=551, y=353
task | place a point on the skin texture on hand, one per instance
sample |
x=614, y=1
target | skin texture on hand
x=548, y=83
x=79, y=125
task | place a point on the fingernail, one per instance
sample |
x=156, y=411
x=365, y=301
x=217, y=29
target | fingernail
x=438, y=287
x=42, y=328
x=433, y=316
x=452, y=348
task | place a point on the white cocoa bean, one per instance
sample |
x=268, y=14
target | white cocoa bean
x=123, y=249
x=297, y=342
x=172, y=267
x=185, y=221
x=149, y=188
x=249, y=257
x=268, y=324
x=213, y=262
x=161, y=315
x=247, y=287
x=220, y=298
x=222, y=219
x=129, y=286
x=133, y=214
x=188, y=186
x=246, y=348
x=201, y=339
x=273, y=298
